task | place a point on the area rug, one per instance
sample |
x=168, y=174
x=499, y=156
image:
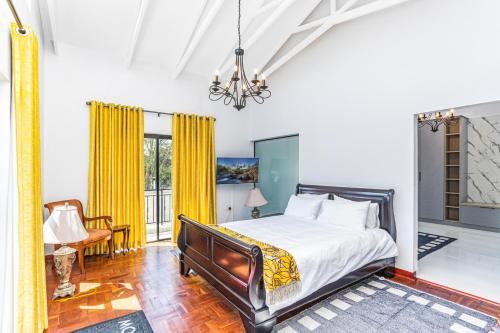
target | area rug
x=379, y=305
x=428, y=243
x=133, y=322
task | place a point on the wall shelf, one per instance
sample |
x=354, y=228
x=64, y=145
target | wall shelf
x=452, y=170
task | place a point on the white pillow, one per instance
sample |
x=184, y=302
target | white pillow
x=303, y=207
x=372, y=219
x=344, y=214
x=313, y=196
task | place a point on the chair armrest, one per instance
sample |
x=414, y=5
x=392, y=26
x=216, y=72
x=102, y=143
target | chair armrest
x=107, y=219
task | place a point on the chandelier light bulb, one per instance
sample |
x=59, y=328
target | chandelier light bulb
x=436, y=119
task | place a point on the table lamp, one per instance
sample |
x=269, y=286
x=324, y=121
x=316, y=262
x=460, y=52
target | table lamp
x=64, y=227
x=255, y=199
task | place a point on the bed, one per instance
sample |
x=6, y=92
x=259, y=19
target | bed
x=235, y=268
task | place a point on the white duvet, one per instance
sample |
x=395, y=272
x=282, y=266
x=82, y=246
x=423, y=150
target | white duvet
x=323, y=253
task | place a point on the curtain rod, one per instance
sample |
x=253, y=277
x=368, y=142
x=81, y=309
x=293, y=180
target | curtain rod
x=20, y=27
x=146, y=111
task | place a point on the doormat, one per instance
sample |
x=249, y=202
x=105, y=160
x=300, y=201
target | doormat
x=133, y=322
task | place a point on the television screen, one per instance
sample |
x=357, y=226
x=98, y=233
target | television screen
x=237, y=170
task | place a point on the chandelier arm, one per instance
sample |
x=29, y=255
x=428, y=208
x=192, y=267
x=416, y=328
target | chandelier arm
x=236, y=95
x=215, y=97
x=250, y=91
x=228, y=99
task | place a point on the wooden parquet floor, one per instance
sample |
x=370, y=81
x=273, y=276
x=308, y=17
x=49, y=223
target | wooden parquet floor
x=148, y=280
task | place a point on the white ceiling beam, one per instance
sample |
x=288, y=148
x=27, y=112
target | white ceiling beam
x=273, y=17
x=332, y=20
x=310, y=25
x=48, y=18
x=137, y=31
x=333, y=6
x=348, y=5
x=333, y=10
x=197, y=36
x=301, y=12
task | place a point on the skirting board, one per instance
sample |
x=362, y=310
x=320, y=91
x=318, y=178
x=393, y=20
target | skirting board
x=409, y=275
x=462, y=293
x=404, y=273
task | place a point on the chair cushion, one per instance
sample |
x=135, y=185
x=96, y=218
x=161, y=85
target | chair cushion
x=95, y=235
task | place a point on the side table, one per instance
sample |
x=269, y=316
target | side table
x=125, y=229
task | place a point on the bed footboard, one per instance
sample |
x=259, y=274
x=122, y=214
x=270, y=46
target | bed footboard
x=231, y=266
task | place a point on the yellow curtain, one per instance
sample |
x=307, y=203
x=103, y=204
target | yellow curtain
x=193, y=169
x=32, y=300
x=116, y=171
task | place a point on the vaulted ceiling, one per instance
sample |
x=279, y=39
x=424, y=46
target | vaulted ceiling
x=197, y=36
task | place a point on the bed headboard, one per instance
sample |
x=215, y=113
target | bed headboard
x=384, y=198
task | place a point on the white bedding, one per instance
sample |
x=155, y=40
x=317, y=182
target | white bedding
x=323, y=253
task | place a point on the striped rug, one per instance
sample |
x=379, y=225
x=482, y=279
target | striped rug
x=379, y=305
x=428, y=243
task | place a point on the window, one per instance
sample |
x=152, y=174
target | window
x=278, y=171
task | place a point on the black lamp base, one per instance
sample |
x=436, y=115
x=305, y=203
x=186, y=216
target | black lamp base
x=255, y=213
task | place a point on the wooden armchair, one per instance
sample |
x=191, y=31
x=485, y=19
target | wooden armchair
x=95, y=235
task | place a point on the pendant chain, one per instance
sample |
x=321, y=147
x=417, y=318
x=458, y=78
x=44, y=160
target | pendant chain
x=239, y=19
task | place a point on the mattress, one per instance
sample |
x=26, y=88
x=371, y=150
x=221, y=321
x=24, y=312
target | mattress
x=323, y=253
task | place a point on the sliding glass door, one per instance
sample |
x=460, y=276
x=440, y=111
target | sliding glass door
x=278, y=171
x=158, y=186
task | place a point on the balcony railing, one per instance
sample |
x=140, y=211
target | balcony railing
x=164, y=220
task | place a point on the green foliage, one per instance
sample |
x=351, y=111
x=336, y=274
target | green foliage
x=150, y=163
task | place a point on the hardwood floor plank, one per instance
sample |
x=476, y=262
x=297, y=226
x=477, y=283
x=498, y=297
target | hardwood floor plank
x=149, y=280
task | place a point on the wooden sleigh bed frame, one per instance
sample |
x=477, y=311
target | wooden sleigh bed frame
x=235, y=268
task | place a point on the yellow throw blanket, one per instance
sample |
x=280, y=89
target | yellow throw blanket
x=281, y=275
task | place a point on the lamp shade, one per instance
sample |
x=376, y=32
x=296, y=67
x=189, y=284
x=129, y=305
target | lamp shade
x=255, y=198
x=64, y=226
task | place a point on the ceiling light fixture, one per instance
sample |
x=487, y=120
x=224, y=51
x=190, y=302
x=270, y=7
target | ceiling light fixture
x=237, y=89
x=436, y=119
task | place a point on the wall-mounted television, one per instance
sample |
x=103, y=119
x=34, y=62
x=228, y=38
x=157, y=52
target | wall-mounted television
x=237, y=170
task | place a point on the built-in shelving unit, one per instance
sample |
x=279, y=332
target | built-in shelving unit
x=452, y=171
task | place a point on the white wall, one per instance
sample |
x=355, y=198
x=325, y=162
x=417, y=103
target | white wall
x=76, y=75
x=352, y=95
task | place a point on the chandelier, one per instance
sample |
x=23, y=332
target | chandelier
x=238, y=88
x=435, y=120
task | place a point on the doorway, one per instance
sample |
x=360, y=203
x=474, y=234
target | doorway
x=459, y=201
x=158, y=187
